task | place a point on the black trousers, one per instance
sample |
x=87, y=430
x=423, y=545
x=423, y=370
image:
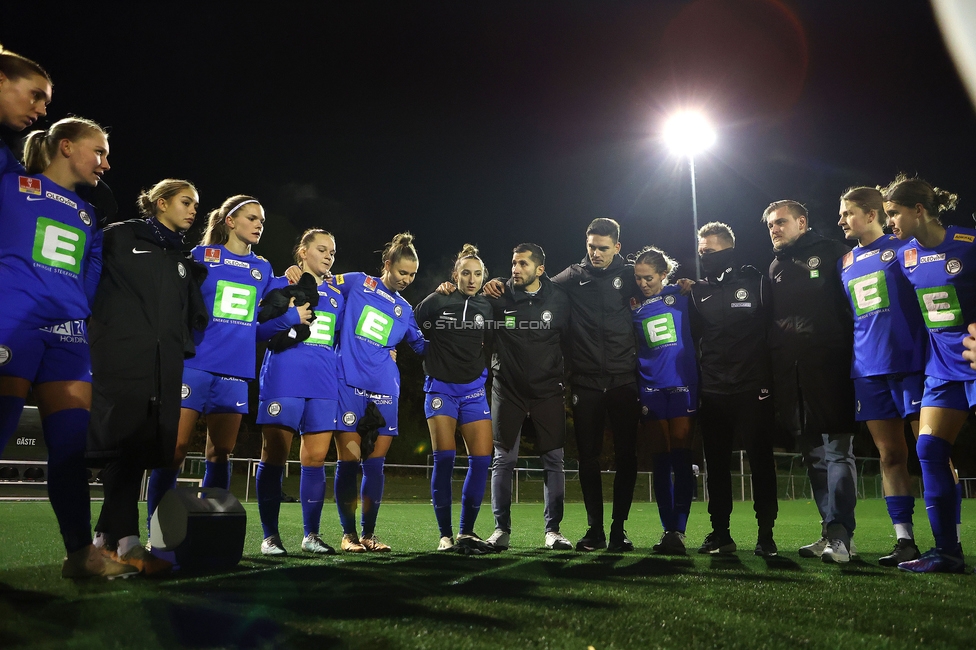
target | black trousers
x=747, y=417
x=121, y=480
x=590, y=410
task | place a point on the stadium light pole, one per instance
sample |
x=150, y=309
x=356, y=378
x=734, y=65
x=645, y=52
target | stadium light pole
x=686, y=134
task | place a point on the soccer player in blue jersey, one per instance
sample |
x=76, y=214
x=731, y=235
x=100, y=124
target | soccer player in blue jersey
x=49, y=266
x=940, y=263
x=25, y=92
x=376, y=319
x=215, y=379
x=300, y=393
x=455, y=326
x=889, y=353
x=668, y=379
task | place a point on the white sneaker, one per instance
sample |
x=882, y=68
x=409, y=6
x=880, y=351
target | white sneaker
x=273, y=546
x=446, y=544
x=836, y=552
x=814, y=550
x=556, y=542
x=314, y=544
x=498, y=540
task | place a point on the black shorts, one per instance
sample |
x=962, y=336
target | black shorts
x=545, y=417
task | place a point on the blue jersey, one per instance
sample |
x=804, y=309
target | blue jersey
x=234, y=286
x=50, y=253
x=375, y=321
x=889, y=335
x=666, y=351
x=8, y=162
x=944, y=278
x=310, y=368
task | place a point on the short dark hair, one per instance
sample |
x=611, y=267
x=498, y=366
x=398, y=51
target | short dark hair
x=603, y=227
x=795, y=208
x=536, y=254
x=718, y=229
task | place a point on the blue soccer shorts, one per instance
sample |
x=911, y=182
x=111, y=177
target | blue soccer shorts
x=206, y=392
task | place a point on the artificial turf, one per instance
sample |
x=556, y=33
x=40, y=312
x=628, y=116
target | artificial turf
x=523, y=598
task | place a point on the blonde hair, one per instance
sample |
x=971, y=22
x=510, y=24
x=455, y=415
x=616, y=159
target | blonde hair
x=41, y=146
x=15, y=66
x=468, y=252
x=216, y=231
x=164, y=189
x=401, y=247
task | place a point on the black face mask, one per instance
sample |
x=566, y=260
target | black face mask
x=715, y=264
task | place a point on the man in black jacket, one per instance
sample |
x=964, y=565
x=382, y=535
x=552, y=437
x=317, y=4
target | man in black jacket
x=729, y=323
x=602, y=355
x=811, y=342
x=530, y=317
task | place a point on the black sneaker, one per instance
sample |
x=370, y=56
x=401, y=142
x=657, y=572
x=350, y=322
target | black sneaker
x=593, y=540
x=672, y=543
x=717, y=543
x=905, y=551
x=619, y=542
x=766, y=547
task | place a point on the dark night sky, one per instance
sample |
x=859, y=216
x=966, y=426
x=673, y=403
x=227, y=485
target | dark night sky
x=505, y=122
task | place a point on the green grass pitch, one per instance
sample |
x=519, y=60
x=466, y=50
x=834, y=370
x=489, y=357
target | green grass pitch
x=524, y=598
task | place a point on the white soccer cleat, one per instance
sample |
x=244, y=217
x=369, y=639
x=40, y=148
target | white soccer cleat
x=446, y=544
x=273, y=547
x=314, y=544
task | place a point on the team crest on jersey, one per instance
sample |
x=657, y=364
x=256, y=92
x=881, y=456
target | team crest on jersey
x=479, y=320
x=211, y=255
x=185, y=391
x=30, y=185
x=963, y=237
x=349, y=418
x=911, y=256
x=813, y=262
x=256, y=274
x=181, y=269
x=334, y=303
x=887, y=255
x=741, y=294
x=85, y=217
x=368, y=282
x=5, y=355
x=436, y=403
x=669, y=300
x=398, y=310
x=546, y=316
x=274, y=408
x=617, y=282
x=953, y=266
x=848, y=259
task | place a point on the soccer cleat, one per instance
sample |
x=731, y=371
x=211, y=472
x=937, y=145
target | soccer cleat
x=593, y=540
x=836, y=552
x=147, y=563
x=498, y=540
x=272, y=546
x=373, y=544
x=446, y=544
x=936, y=561
x=905, y=551
x=314, y=544
x=766, y=547
x=672, y=543
x=471, y=544
x=351, y=544
x=717, y=543
x=813, y=550
x=556, y=542
x=619, y=543
x=89, y=562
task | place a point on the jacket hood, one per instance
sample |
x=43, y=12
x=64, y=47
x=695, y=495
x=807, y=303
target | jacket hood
x=544, y=289
x=804, y=242
x=615, y=265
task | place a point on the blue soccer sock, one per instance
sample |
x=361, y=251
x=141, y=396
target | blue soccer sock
x=346, y=474
x=161, y=481
x=65, y=434
x=217, y=474
x=684, y=487
x=372, y=493
x=10, y=409
x=440, y=489
x=940, y=491
x=901, y=510
x=268, y=484
x=664, y=490
x=311, y=491
x=473, y=492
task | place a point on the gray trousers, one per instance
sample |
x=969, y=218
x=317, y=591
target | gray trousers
x=554, y=486
x=829, y=459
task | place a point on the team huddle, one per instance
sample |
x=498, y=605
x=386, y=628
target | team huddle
x=125, y=340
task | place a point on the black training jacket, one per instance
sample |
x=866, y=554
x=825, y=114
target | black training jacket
x=730, y=321
x=147, y=301
x=602, y=349
x=455, y=326
x=528, y=358
x=810, y=310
